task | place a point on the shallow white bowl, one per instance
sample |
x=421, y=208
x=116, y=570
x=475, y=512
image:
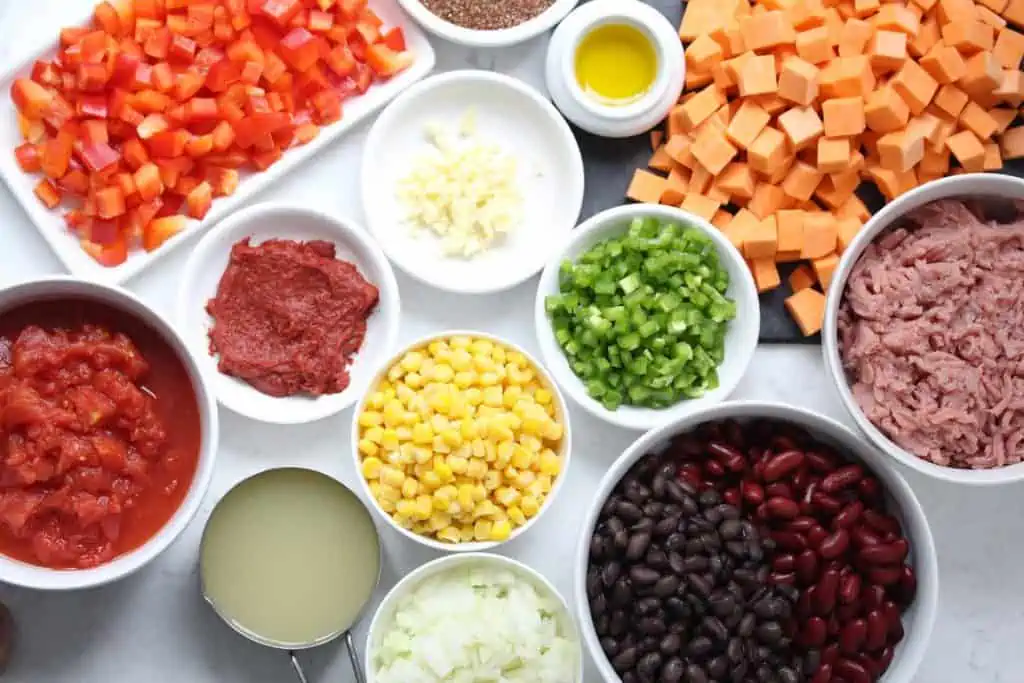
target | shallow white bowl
x=386, y=611
x=740, y=341
x=968, y=186
x=523, y=123
x=565, y=451
x=918, y=620
x=46, y=289
x=487, y=39
x=267, y=221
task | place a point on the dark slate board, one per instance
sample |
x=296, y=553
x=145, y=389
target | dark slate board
x=609, y=165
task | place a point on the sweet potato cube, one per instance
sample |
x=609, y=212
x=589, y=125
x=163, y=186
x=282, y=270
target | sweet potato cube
x=768, y=198
x=697, y=109
x=807, y=308
x=1012, y=143
x=762, y=32
x=968, y=150
x=747, y=124
x=854, y=38
x=885, y=110
x=646, y=187
x=894, y=16
x=847, y=229
x=801, y=181
x=820, y=232
x=740, y=227
x=757, y=76
x=660, y=160
x=1009, y=48
x=765, y=272
x=843, y=116
x=675, y=187
x=978, y=121
x=738, y=180
x=1011, y=89
x=900, y=151
x=915, y=85
x=815, y=45
x=944, y=63
x=801, y=278
x=888, y=50
x=712, y=150
x=699, y=205
x=703, y=53
x=798, y=81
x=824, y=268
x=847, y=77
x=951, y=100
x=968, y=35
x=767, y=150
x=865, y=8
x=927, y=36
x=833, y=153
x=982, y=75
x=802, y=126
x=721, y=219
x=762, y=241
x=993, y=159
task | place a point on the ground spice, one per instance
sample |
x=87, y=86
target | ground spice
x=487, y=15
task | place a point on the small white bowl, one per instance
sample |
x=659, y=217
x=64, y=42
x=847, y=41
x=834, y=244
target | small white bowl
x=918, y=620
x=609, y=120
x=967, y=186
x=62, y=287
x=261, y=222
x=565, y=451
x=740, y=341
x=386, y=611
x=487, y=38
x=523, y=123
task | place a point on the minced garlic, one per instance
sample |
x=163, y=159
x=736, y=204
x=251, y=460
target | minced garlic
x=463, y=189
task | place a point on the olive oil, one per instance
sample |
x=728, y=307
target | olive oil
x=616, y=64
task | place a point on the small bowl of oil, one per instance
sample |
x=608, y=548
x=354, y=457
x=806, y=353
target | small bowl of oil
x=615, y=68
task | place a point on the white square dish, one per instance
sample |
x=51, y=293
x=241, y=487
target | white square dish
x=50, y=223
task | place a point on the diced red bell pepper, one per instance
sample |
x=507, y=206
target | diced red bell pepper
x=143, y=78
x=320, y=21
x=280, y=11
x=252, y=127
x=264, y=160
x=104, y=231
x=242, y=51
x=126, y=182
x=32, y=99
x=76, y=220
x=109, y=255
x=300, y=48
x=148, y=182
x=251, y=73
x=110, y=202
x=93, y=47
x=125, y=67
x=92, y=77
x=385, y=62
x=221, y=75
x=201, y=109
x=47, y=193
x=306, y=132
x=140, y=217
x=224, y=181
x=59, y=112
x=394, y=39
x=311, y=81
x=70, y=35
x=134, y=153
x=325, y=4
x=95, y=130
x=168, y=144
x=94, y=106
x=31, y=130
x=75, y=181
x=28, y=157
x=126, y=15
x=328, y=106
x=159, y=230
x=149, y=101
x=99, y=157
x=199, y=200
x=202, y=13
x=351, y=8
x=273, y=67
x=55, y=157
x=46, y=73
x=223, y=136
x=363, y=78
x=107, y=19
x=182, y=48
x=150, y=9
x=152, y=125
x=232, y=159
x=340, y=60
x=369, y=32
x=230, y=110
x=187, y=85
x=199, y=145
x=157, y=45
x=207, y=57
x=163, y=77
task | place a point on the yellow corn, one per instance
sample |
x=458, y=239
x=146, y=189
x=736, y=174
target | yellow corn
x=500, y=531
x=516, y=515
x=411, y=361
x=371, y=468
x=449, y=534
x=392, y=476
x=367, y=447
x=529, y=506
x=482, y=530
x=410, y=487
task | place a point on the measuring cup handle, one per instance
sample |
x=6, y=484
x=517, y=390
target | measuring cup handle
x=353, y=657
x=297, y=668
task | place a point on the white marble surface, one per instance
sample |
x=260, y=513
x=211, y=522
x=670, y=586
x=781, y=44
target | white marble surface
x=153, y=628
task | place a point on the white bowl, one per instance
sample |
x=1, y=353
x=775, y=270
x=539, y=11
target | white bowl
x=918, y=620
x=483, y=38
x=740, y=341
x=969, y=186
x=523, y=123
x=61, y=287
x=565, y=451
x=268, y=221
x=385, y=612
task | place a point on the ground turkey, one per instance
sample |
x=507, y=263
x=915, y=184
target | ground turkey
x=931, y=333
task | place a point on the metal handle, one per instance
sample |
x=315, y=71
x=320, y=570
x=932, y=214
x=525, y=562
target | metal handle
x=353, y=657
x=297, y=668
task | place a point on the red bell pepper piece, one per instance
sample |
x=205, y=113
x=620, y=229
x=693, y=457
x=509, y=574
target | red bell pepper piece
x=199, y=199
x=94, y=106
x=395, y=39
x=151, y=125
x=28, y=157
x=300, y=48
x=385, y=62
x=109, y=255
x=168, y=144
x=99, y=156
x=110, y=202
x=95, y=130
x=104, y=232
x=159, y=230
x=32, y=99
x=148, y=182
x=252, y=127
x=182, y=48
x=46, y=73
x=281, y=11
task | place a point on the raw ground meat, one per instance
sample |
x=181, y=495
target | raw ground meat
x=931, y=333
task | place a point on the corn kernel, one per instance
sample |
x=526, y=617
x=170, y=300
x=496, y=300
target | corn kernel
x=535, y=490
x=421, y=455
x=482, y=530
x=524, y=479
x=431, y=480
x=422, y=434
x=474, y=396
x=438, y=521
x=465, y=497
x=367, y=447
x=460, y=342
x=487, y=379
x=406, y=508
x=499, y=432
x=546, y=481
x=438, y=347
x=501, y=530
x=550, y=463
x=370, y=418
x=461, y=360
x=542, y=396
x=485, y=508
x=492, y=397
x=389, y=493
x=464, y=379
x=392, y=476
x=449, y=534
x=466, y=534
x=451, y=437
x=492, y=480
x=444, y=471
x=530, y=443
x=371, y=468
x=506, y=496
x=414, y=380
x=479, y=493
x=484, y=346
x=476, y=468
x=395, y=373
x=410, y=487
x=376, y=400
x=522, y=458
x=443, y=373
x=375, y=434
x=457, y=464
x=393, y=412
x=388, y=506
x=516, y=358
x=516, y=515
x=411, y=361
x=499, y=354
x=529, y=506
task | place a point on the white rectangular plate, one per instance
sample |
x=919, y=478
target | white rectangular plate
x=51, y=223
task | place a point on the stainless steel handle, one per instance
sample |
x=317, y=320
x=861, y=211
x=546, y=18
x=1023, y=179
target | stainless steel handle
x=353, y=656
x=297, y=668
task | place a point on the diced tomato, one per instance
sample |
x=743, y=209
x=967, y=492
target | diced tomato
x=32, y=99
x=75, y=181
x=182, y=48
x=109, y=255
x=300, y=48
x=110, y=202
x=394, y=39
x=163, y=77
x=159, y=230
x=28, y=157
x=104, y=231
x=168, y=144
x=152, y=125
x=199, y=200
x=95, y=130
x=107, y=19
x=147, y=181
x=76, y=220
x=99, y=156
x=386, y=62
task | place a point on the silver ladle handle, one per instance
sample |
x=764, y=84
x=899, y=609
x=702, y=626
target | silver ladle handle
x=353, y=657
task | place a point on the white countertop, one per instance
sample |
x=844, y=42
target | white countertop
x=154, y=628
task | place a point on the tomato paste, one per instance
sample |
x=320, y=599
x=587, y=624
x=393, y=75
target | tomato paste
x=288, y=316
x=99, y=434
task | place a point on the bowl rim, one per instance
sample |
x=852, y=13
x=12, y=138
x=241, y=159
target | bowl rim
x=447, y=562
x=747, y=323
x=389, y=117
x=56, y=287
x=970, y=184
x=472, y=546
x=911, y=650
x=343, y=230
x=488, y=38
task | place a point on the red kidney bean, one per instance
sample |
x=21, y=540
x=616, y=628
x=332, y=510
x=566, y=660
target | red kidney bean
x=884, y=660
x=804, y=604
x=732, y=497
x=880, y=522
x=864, y=660
x=714, y=469
x=895, y=621
x=801, y=478
x=842, y=478
x=691, y=474
x=835, y=544
x=823, y=674
x=787, y=540
x=736, y=464
x=784, y=563
x=782, y=464
x=834, y=625
x=814, y=632
x=828, y=585
x=873, y=597
x=752, y=492
x=887, y=553
x=782, y=508
x=851, y=638
x=779, y=490
x=723, y=451
x=806, y=567
x=802, y=525
x=809, y=492
x=758, y=469
x=907, y=586
x=885, y=575
x=830, y=655
x=783, y=577
x=863, y=536
x=870, y=488
x=852, y=671
x=878, y=631
x=848, y=516
x=849, y=589
x=821, y=462
x=826, y=503
x=815, y=536
x=847, y=612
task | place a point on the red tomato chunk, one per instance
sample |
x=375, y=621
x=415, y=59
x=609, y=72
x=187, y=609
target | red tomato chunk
x=90, y=466
x=196, y=87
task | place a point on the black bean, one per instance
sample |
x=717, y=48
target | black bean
x=769, y=633
x=737, y=549
x=644, y=525
x=666, y=526
x=654, y=508
x=677, y=608
x=610, y=573
x=615, y=525
x=714, y=516
x=689, y=505
x=610, y=646
x=734, y=650
x=695, y=563
x=598, y=605
x=736, y=675
x=718, y=667
x=656, y=559
x=675, y=491
x=716, y=565
x=722, y=605
x=593, y=581
x=620, y=540
x=765, y=608
x=610, y=505
x=673, y=671
x=629, y=512
x=676, y=562
x=625, y=660
x=787, y=675
x=747, y=625
x=670, y=644
x=675, y=542
x=666, y=586
x=620, y=595
x=658, y=488
x=714, y=627
x=648, y=665
x=730, y=529
x=699, y=647
x=601, y=624
x=812, y=660
x=637, y=546
x=596, y=548
x=630, y=677
x=694, y=547
x=699, y=585
x=643, y=576
x=651, y=626
x=618, y=623
x=648, y=644
x=638, y=493
x=646, y=607
x=709, y=498
x=764, y=674
x=695, y=674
